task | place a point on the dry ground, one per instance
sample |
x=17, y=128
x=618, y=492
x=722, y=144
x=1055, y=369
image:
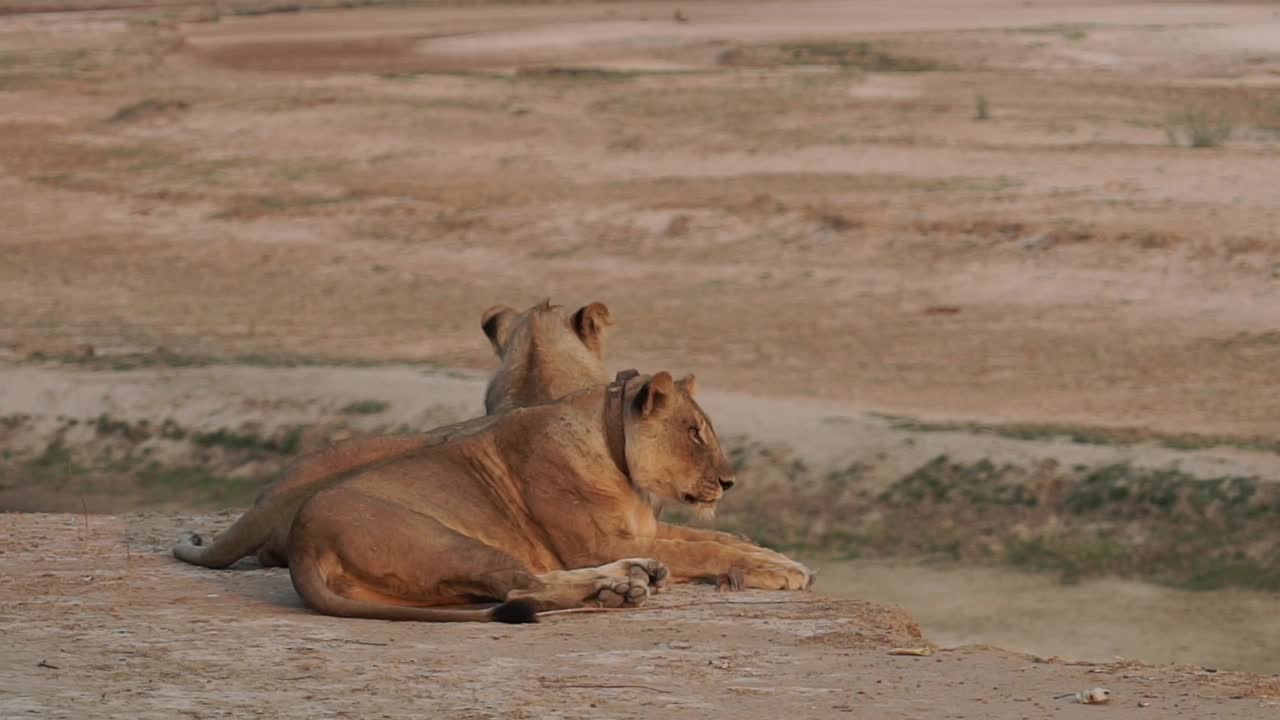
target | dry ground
x=102, y=623
x=791, y=199
x=788, y=198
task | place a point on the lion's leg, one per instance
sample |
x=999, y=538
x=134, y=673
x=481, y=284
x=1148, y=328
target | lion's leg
x=709, y=559
x=373, y=549
x=667, y=531
x=623, y=583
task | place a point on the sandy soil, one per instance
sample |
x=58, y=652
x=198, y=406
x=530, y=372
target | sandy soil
x=1098, y=619
x=102, y=623
x=792, y=199
x=841, y=228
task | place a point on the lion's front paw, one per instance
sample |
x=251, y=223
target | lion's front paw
x=630, y=582
x=654, y=570
x=781, y=575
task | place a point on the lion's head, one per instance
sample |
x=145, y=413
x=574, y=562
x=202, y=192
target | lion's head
x=672, y=450
x=545, y=353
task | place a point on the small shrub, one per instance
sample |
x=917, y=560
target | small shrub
x=366, y=407
x=249, y=11
x=848, y=55
x=983, y=109
x=150, y=106
x=1195, y=128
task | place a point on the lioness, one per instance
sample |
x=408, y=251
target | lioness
x=533, y=509
x=544, y=353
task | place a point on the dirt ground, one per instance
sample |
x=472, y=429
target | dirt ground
x=787, y=198
x=103, y=623
x=950, y=209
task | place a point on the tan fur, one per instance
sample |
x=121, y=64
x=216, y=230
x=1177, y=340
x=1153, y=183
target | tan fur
x=537, y=506
x=545, y=354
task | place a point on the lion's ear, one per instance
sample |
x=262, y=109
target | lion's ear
x=655, y=394
x=496, y=323
x=689, y=384
x=589, y=323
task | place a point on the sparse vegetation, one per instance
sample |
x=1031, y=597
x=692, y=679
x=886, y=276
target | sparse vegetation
x=148, y=107
x=254, y=206
x=1197, y=129
x=366, y=407
x=161, y=357
x=982, y=109
x=1067, y=31
x=850, y=55
x=567, y=72
x=252, y=10
x=286, y=443
x=1079, y=521
x=202, y=486
x=1086, y=435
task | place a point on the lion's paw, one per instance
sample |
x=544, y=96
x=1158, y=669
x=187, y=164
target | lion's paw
x=785, y=575
x=629, y=582
x=190, y=538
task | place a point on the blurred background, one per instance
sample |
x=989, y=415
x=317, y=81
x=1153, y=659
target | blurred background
x=984, y=294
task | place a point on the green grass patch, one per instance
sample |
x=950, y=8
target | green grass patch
x=148, y=107
x=255, y=206
x=1085, y=435
x=566, y=72
x=287, y=444
x=982, y=108
x=254, y=10
x=1196, y=128
x=1073, y=558
x=199, y=483
x=166, y=359
x=1067, y=31
x=857, y=55
x=366, y=407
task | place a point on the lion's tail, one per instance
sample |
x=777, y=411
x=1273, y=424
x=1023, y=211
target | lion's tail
x=241, y=539
x=311, y=585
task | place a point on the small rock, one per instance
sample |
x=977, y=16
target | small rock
x=679, y=645
x=679, y=226
x=1092, y=696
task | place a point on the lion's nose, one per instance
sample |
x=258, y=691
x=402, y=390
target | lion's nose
x=726, y=482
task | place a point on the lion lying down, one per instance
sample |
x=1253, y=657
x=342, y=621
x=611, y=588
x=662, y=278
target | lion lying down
x=542, y=508
x=545, y=354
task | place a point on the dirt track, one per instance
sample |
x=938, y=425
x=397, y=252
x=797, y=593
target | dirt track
x=130, y=632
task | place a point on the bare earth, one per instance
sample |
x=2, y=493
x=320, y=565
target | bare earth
x=358, y=184
x=107, y=625
x=792, y=199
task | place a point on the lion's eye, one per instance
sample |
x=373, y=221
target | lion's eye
x=695, y=433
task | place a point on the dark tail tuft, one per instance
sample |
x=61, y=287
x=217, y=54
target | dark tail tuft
x=515, y=611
